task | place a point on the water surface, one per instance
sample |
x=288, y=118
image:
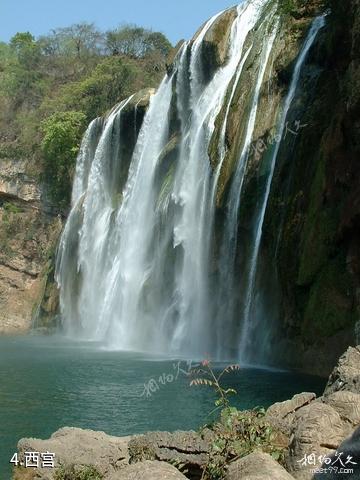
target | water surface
x=49, y=382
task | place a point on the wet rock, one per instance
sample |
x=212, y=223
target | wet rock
x=216, y=42
x=257, y=466
x=141, y=99
x=27, y=239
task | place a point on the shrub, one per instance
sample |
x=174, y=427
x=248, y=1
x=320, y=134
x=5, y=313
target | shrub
x=62, y=133
x=87, y=472
x=236, y=433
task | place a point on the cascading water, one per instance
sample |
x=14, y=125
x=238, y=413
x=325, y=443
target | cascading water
x=134, y=261
x=228, y=252
x=249, y=327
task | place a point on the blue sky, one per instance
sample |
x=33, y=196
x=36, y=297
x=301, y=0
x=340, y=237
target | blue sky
x=176, y=18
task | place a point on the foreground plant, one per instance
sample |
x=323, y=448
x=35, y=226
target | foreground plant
x=211, y=380
x=236, y=433
x=87, y=472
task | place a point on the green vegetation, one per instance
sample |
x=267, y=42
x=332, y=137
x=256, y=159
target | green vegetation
x=60, y=144
x=11, y=208
x=87, y=472
x=236, y=433
x=54, y=85
x=287, y=7
x=300, y=8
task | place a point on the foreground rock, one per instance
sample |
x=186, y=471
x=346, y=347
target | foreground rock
x=347, y=404
x=188, y=449
x=74, y=446
x=346, y=375
x=317, y=426
x=317, y=429
x=350, y=452
x=257, y=466
x=282, y=414
x=148, y=471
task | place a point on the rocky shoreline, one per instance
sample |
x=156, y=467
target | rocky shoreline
x=310, y=430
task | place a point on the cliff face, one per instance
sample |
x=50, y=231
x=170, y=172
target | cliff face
x=309, y=257
x=28, y=237
x=315, y=201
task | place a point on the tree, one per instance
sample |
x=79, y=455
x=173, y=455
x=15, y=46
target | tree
x=80, y=39
x=62, y=133
x=136, y=42
x=22, y=79
x=50, y=45
x=26, y=49
x=158, y=42
x=51, y=86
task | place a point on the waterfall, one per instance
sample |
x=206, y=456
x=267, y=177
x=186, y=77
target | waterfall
x=135, y=260
x=194, y=185
x=228, y=253
x=249, y=327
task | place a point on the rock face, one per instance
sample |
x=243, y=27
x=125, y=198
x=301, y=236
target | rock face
x=74, y=446
x=281, y=415
x=148, y=471
x=317, y=429
x=257, y=466
x=346, y=375
x=318, y=202
x=216, y=42
x=185, y=448
x=15, y=180
x=28, y=237
x=347, y=404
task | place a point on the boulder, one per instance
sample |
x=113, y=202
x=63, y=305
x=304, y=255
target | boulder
x=186, y=448
x=167, y=157
x=147, y=471
x=346, y=374
x=141, y=99
x=216, y=42
x=349, y=453
x=347, y=404
x=74, y=446
x=281, y=414
x=317, y=430
x=257, y=466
